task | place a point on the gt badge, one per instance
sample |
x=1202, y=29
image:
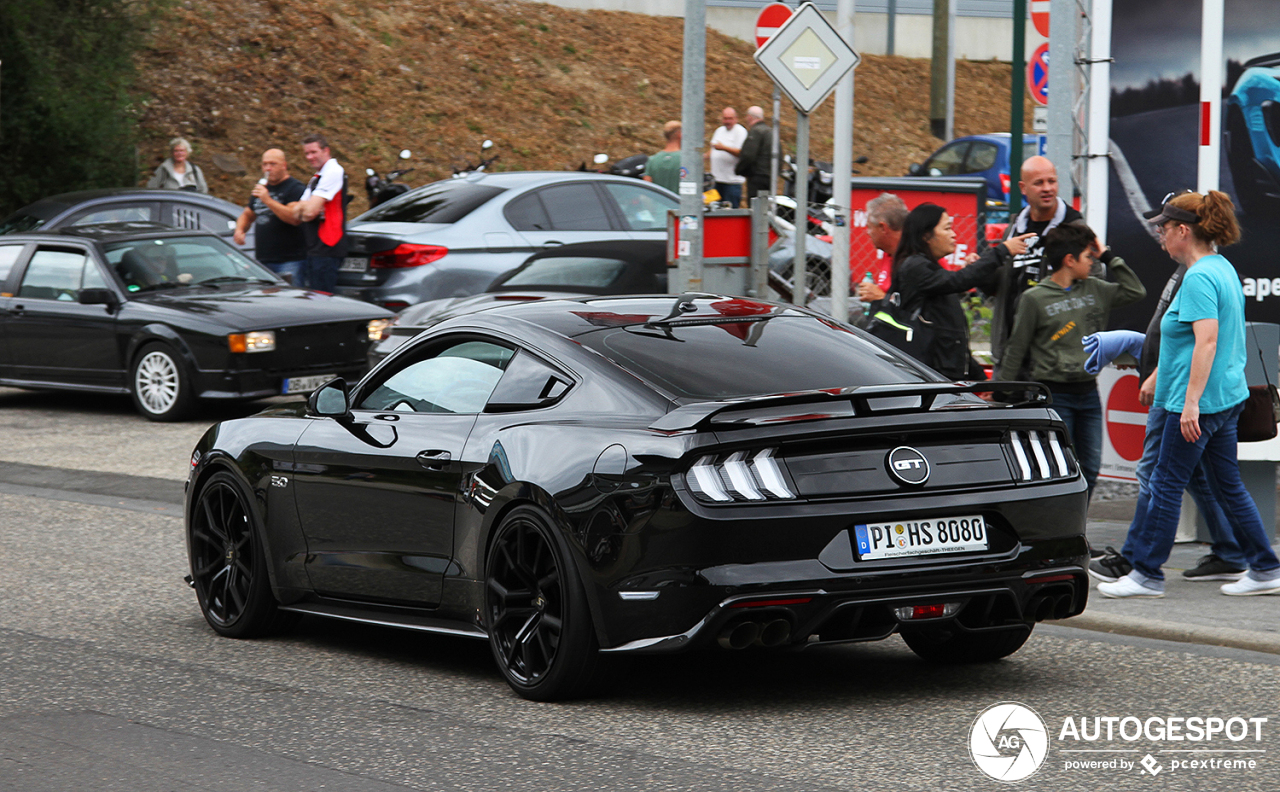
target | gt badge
x=907, y=466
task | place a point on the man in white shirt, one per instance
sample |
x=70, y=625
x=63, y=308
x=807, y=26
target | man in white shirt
x=322, y=212
x=726, y=143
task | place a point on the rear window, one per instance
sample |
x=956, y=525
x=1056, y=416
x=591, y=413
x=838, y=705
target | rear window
x=751, y=358
x=442, y=202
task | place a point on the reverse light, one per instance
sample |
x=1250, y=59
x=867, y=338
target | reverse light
x=380, y=328
x=741, y=476
x=939, y=611
x=405, y=255
x=257, y=341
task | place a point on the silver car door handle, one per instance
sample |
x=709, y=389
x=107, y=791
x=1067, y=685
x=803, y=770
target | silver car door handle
x=434, y=460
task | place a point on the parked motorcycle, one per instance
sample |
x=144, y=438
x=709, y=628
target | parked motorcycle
x=819, y=188
x=632, y=166
x=381, y=189
x=478, y=167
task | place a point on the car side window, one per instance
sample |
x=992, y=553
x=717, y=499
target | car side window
x=642, y=208
x=526, y=214
x=527, y=384
x=199, y=218
x=8, y=256
x=54, y=275
x=454, y=378
x=949, y=161
x=116, y=213
x=981, y=157
x=575, y=207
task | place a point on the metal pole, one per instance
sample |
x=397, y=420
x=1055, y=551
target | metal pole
x=1017, y=89
x=951, y=70
x=893, y=22
x=1098, y=182
x=842, y=170
x=1062, y=44
x=775, y=150
x=1207, y=173
x=938, y=71
x=799, y=283
x=692, y=121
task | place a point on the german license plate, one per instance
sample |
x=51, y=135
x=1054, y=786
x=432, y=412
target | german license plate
x=920, y=537
x=354, y=264
x=304, y=384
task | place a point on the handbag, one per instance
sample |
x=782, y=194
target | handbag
x=1261, y=410
x=901, y=328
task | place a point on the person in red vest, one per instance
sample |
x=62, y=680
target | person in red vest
x=322, y=212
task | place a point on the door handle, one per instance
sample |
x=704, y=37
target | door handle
x=434, y=460
x=550, y=243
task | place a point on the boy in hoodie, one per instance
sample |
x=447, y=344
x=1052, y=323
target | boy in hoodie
x=1052, y=319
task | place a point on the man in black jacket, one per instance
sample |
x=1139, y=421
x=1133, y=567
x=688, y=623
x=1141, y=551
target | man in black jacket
x=756, y=156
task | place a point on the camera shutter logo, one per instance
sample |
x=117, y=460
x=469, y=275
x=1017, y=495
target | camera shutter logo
x=1008, y=741
x=907, y=466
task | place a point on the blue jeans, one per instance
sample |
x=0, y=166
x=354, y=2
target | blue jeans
x=1082, y=413
x=730, y=192
x=1224, y=546
x=289, y=270
x=1151, y=539
x=321, y=273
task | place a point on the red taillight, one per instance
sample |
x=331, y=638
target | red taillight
x=406, y=255
x=770, y=603
x=393, y=305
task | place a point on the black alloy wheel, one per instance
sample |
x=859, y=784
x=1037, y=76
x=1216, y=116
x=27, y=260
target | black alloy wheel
x=949, y=646
x=228, y=567
x=539, y=626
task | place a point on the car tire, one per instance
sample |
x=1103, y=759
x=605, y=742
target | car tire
x=160, y=384
x=536, y=612
x=228, y=564
x=1240, y=160
x=949, y=646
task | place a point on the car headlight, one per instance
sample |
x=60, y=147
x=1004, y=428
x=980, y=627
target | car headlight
x=380, y=328
x=257, y=341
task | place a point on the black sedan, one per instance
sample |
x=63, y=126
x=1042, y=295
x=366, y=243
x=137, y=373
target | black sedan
x=570, y=479
x=169, y=317
x=177, y=208
x=620, y=266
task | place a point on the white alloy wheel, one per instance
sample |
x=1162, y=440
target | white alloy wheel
x=156, y=382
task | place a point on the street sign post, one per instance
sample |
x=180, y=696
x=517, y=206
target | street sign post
x=806, y=59
x=1038, y=75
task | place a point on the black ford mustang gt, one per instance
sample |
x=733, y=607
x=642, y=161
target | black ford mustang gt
x=644, y=474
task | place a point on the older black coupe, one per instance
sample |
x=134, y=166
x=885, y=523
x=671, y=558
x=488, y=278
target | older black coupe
x=571, y=478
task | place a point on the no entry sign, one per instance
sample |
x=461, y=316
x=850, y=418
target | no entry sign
x=1038, y=75
x=1126, y=418
x=770, y=19
x=1040, y=16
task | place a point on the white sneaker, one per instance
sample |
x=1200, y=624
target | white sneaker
x=1248, y=587
x=1128, y=587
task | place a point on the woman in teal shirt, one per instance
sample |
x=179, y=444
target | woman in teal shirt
x=1200, y=384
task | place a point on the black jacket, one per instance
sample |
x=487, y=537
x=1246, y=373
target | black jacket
x=924, y=283
x=755, y=159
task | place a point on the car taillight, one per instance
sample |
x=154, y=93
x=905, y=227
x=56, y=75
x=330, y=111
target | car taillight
x=406, y=255
x=1040, y=456
x=740, y=476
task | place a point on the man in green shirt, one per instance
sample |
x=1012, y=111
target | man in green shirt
x=663, y=168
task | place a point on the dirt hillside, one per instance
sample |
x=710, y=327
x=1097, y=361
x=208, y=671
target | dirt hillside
x=550, y=86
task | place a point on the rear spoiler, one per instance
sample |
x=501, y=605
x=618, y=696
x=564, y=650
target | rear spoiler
x=1263, y=60
x=838, y=403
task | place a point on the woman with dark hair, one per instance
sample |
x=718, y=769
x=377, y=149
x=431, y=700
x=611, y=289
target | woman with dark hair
x=922, y=284
x=1200, y=385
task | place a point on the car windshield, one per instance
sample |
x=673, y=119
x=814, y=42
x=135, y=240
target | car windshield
x=783, y=354
x=21, y=223
x=171, y=262
x=566, y=273
x=442, y=202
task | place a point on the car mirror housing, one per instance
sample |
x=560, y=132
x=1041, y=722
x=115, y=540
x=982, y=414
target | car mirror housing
x=97, y=297
x=330, y=400
x=914, y=169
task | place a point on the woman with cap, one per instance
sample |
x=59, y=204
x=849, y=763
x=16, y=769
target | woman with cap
x=178, y=172
x=1200, y=385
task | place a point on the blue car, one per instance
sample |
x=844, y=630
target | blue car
x=1253, y=133
x=982, y=156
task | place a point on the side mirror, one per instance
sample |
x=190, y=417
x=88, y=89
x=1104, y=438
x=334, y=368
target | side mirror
x=97, y=297
x=485, y=146
x=330, y=400
x=600, y=159
x=405, y=154
x=914, y=169
x=863, y=160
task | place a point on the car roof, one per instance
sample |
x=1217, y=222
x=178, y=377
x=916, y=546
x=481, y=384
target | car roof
x=109, y=232
x=518, y=179
x=56, y=204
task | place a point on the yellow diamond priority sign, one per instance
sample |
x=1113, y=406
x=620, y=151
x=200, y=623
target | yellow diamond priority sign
x=806, y=58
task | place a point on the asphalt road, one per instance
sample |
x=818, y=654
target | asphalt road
x=110, y=680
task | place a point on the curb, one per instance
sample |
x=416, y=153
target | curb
x=1166, y=631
